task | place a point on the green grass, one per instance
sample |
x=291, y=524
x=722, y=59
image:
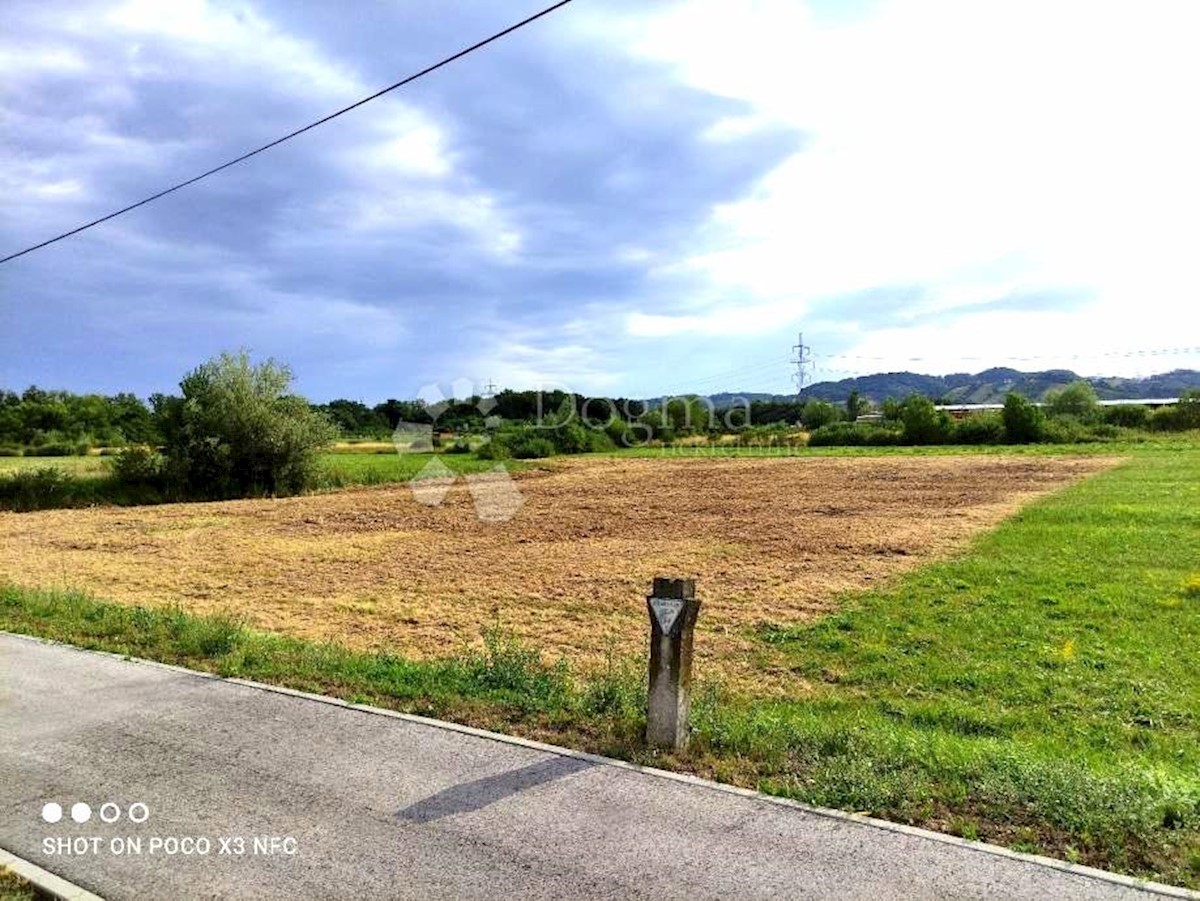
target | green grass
x=1147, y=442
x=84, y=467
x=1036, y=688
x=339, y=470
x=1041, y=690
x=40, y=483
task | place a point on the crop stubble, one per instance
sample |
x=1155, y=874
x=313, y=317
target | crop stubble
x=775, y=539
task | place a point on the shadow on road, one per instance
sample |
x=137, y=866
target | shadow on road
x=481, y=792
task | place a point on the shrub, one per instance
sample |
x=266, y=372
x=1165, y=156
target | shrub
x=1184, y=415
x=1066, y=430
x=850, y=434
x=237, y=432
x=819, y=413
x=1023, y=422
x=985, y=428
x=9, y=450
x=57, y=449
x=460, y=446
x=37, y=489
x=139, y=465
x=1078, y=399
x=522, y=443
x=568, y=438
x=532, y=447
x=496, y=449
x=1127, y=416
x=923, y=422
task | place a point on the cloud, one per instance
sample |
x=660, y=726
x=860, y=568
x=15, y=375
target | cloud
x=622, y=199
x=976, y=151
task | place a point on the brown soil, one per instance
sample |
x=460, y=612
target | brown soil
x=768, y=540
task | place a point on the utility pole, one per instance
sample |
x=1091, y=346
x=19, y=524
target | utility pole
x=490, y=388
x=802, y=361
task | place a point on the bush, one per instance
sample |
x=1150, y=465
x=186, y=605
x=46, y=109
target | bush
x=57, y=449
x=1066, y=430
x=37, y=489
x=139, y=465
x=1127, y=416
x=460, y=446
x=496, y=449
x=851, y=434
x=237, y=432
x=818, y=413
x=1078, y=399
x=1181, y=417
x=9, y=450
x=984, y=428
x=1023, y=422
x=923, y=422
x=532, y=447
x=522, y=443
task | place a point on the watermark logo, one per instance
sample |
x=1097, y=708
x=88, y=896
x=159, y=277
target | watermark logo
x=122, y=842
x=494, y=493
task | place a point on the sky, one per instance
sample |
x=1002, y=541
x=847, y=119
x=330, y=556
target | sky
x=624, y=198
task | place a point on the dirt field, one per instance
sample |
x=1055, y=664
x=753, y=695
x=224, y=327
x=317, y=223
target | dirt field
x=767, y=539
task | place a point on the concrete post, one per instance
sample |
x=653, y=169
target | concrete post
x=673, y=610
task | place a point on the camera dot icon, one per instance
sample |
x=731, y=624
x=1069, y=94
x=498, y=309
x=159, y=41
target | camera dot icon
x=80, y=812
x=52, y=812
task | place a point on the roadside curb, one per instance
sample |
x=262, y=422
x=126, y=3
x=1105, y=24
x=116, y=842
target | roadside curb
x=45, y=884
x=1168, y=891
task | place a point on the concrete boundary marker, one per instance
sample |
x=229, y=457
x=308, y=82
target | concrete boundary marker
x=45, y=884
x=1168, y=891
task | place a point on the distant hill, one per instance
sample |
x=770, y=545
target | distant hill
x=991, y=385
x=987, y=387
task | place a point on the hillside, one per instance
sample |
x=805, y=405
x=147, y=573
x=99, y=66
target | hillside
x=991, y=385
x=985, y=387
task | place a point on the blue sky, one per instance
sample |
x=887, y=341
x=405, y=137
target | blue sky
x=624, y=198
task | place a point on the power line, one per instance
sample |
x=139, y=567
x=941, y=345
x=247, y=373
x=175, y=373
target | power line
x=299, y=131
x=1144, y=352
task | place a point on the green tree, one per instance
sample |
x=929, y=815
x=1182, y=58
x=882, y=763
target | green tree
x=237, y=431
x=856, y=406
x=817, y=413
x=923, y=422
x=1078, y=399
x=1023, y=422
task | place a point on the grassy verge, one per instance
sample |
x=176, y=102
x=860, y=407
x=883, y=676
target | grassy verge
x=1039, y=691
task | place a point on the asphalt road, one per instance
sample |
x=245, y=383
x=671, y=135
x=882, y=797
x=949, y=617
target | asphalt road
x=351, y=804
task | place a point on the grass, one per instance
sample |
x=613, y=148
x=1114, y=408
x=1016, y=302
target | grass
x=1039, y=691
x=1144, y=442
x=38, y=483
x=343, y=469
x=14, y=888
x=1032, y=691
x=83, y=467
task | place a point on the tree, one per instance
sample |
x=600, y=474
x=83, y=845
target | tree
x=923, y=422
x=1023, y=422
x=1078, y=399
x=238, y=432
x=817, y=413
x=855, y=406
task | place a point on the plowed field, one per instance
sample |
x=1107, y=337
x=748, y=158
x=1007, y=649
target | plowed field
x=768, y=540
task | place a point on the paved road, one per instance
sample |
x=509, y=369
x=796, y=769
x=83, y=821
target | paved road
x=381, y=807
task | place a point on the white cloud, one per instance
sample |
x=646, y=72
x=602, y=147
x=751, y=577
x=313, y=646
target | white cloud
x=972, y=149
